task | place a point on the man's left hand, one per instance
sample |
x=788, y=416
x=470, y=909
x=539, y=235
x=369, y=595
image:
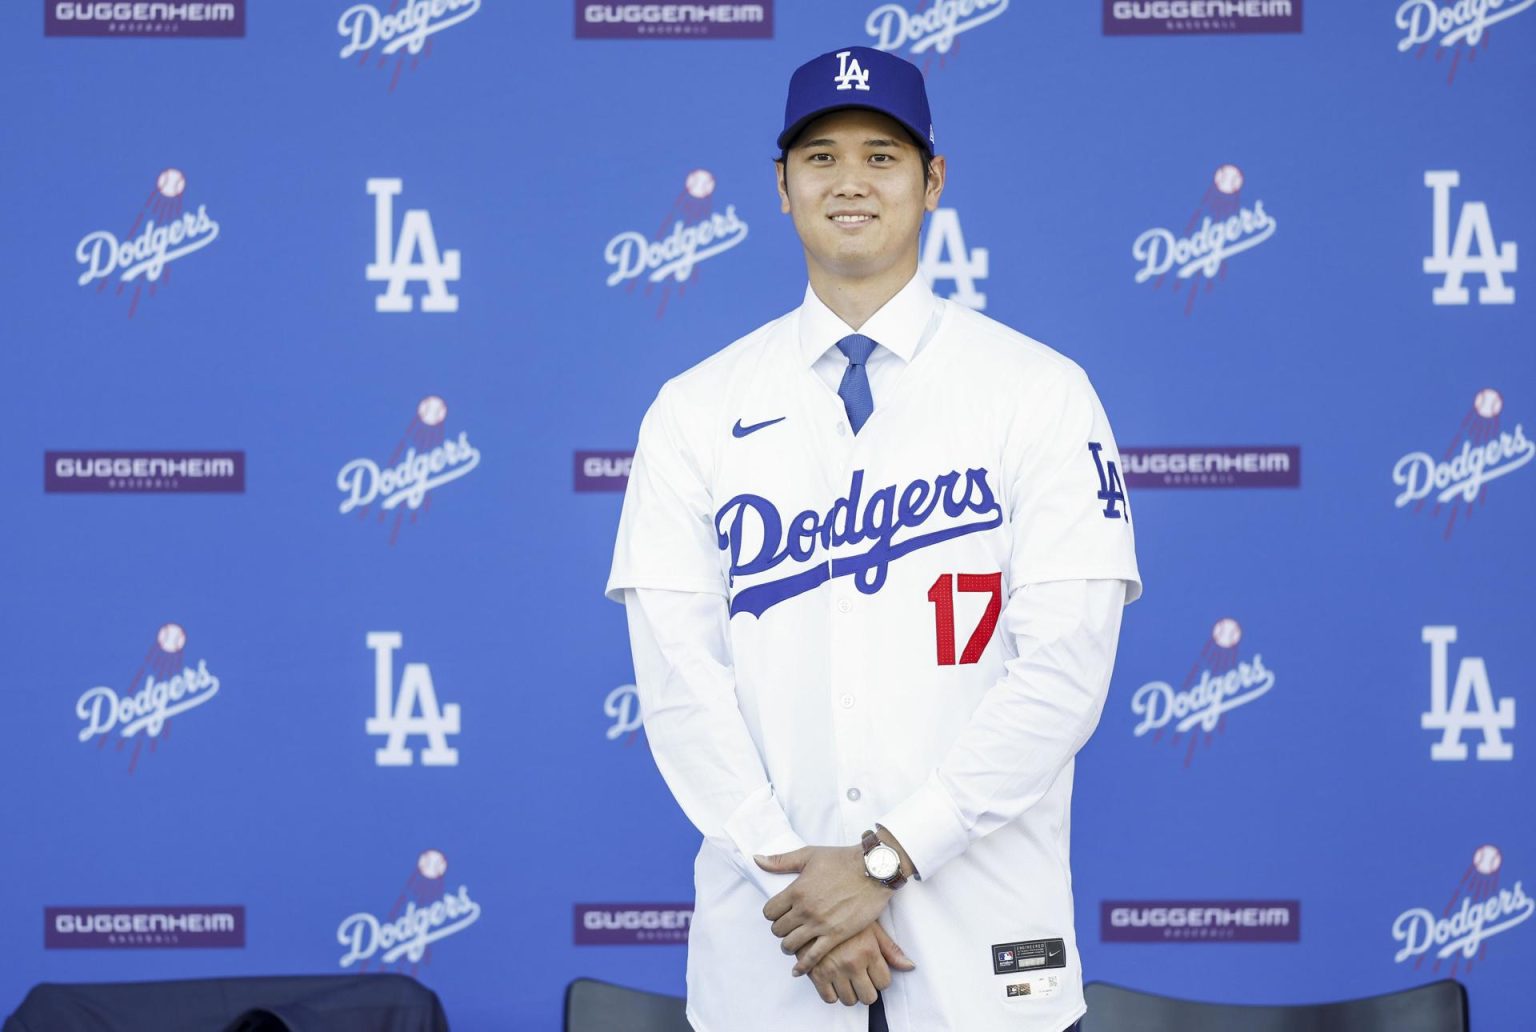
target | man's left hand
x=832, y=900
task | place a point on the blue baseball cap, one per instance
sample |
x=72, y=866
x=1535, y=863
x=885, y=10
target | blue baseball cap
x=858, y=77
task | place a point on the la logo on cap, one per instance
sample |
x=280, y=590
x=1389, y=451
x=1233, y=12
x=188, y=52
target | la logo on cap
x=850, y=75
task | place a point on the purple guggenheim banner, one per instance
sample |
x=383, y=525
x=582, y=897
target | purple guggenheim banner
x=1197, y=17
x=630, y=924
x=199, y=927
x=1213, y=465
x=1235, y=920
x=603, y=470
x=142, y=18
x=674, y=21
x=140, y=472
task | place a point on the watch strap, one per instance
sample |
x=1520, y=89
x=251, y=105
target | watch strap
x=869, y=840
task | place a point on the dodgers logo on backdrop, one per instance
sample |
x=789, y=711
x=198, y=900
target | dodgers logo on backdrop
x=165, y=684
x=413, y=712
x=162, y=233
x=945, y=258
x=692, y=232
x=1470, y=706
x=1459, y=27
x=1456, y=479
x=412, y=258
x=1455, y=260
x=1222, y=226
x=128, y=19
x=399, y=31
x=424, y=459
x=1480, y=908
x=622, y=706
x=758, y=538
x=930, y=26
x=1218, y=683
x=424, y=912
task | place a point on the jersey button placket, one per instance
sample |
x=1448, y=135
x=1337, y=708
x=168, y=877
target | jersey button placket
x=849, y=614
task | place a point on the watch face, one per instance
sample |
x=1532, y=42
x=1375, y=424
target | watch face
x=882, y=862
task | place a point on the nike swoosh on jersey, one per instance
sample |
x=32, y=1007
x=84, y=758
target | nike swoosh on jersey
x=741, y=431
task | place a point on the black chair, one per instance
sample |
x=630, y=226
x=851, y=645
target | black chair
x=593, y=1006
x=1436, y=1007
x=299, y=1003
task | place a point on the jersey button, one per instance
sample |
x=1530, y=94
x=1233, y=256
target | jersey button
x=853, y=794
x=847, y=701
x=844, y=606
x=842, y=428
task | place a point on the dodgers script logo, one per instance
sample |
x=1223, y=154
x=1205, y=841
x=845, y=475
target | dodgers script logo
x=399, y=31
x=1456, y=479
x=946, y=258
x=161, y=233
x=933, y=26
x=1461, y=933
x=396, y=263
x=1449, y=713
x=166, y=684
x=697, y=233
x=887, y=520
x=424, y=913
x=1457, y=26
x=1456, y=260
x=1217, y=683
x=1220, y=227
x=413, y=712
x=424, y=459
x=623, y=707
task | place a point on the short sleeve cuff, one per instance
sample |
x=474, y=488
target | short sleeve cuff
x=928, y=827
x=759, y=826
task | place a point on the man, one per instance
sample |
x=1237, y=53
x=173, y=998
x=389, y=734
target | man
x=873, y=556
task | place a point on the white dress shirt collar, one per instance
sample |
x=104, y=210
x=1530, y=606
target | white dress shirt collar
x=897, y=326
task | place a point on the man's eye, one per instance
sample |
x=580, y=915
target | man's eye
x=882, y=159
x=817, y=158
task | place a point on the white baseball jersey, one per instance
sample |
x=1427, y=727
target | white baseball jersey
x=878, y=661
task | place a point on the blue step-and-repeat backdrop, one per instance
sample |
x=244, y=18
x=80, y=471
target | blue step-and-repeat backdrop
x=327, y=331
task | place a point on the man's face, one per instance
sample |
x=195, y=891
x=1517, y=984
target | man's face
x=853, y=182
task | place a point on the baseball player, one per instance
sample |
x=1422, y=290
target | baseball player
x=873, y=556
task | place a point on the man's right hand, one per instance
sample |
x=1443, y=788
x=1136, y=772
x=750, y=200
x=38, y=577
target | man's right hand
x=860, y=968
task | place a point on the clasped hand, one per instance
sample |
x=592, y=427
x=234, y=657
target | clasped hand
x=827, y=919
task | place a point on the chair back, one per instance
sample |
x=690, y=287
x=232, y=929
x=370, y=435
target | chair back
x=593, y=1006
x=1436, y=1007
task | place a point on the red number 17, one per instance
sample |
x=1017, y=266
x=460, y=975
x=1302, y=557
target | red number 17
x=942, y=595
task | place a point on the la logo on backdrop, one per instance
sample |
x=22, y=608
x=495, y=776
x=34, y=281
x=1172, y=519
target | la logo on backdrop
x=422, y=460
x=398, y=37
x=1456, y=27
x=1221, y=227
x=1480, y=908
x=412, y=257
x=1468, y=707
x=945, y=258
x=165, y=685
x=164, y=231
x=424, y=912
x=414, y=712
x=1218, y=682
x=1456, y=479
x=1455, y=260
x=690, y=233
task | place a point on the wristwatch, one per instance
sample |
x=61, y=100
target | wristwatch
x=882, y=863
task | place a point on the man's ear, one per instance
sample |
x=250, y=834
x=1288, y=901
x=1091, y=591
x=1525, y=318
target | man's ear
x=935, y=182
x=778, y=168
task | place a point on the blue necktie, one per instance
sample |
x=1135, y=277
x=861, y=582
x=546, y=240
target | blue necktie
x=854, y=390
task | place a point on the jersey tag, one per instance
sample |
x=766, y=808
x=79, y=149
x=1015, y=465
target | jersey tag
x=1033, y=955
x=1035, y=988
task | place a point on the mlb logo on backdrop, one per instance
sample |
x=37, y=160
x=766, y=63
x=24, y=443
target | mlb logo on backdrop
x=413, y=257
x=1455, y=259
x=414, y=712
x=1468, y=707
